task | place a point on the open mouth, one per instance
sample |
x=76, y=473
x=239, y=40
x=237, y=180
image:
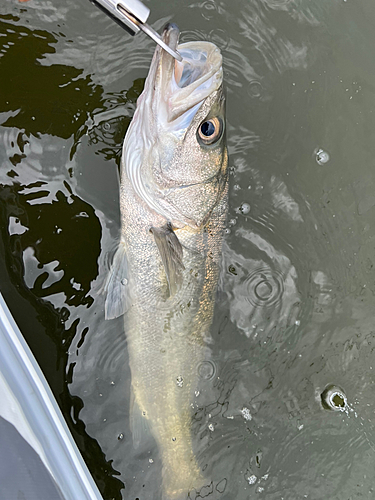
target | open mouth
x=191, y=68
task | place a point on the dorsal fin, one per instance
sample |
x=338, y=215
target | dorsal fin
x=171, y=253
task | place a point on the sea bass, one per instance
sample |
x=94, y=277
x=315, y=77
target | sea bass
x=173, y=201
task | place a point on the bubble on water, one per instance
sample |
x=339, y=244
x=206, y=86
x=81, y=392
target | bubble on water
x=334, y=398
x=321, y=156
x=232, y=270
x=179, y=381
x=120, y=437
x=227, y=230
x=206, y=370
x=246, y=413
x=151, y=460
x=211, y=427
x=252, y=479
x=265, y=287
x=124, y=281
x=174, y=439
x=244, y=208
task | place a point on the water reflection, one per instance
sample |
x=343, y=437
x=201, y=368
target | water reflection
x=59, y=104
x=51, y=236
x=107, y=125
x=294, y=317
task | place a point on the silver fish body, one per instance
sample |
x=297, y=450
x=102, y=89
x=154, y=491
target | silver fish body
x=173, y=200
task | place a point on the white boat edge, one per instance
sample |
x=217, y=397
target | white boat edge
x=27, y=402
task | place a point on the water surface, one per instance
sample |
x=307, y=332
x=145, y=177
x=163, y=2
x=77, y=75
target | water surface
x=286, y=406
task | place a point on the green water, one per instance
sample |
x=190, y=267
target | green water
x=295, y=312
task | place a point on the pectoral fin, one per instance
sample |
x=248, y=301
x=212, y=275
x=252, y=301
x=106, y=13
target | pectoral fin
x=171, y=255
x=117, y=287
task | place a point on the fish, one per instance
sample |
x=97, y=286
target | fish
x=164, y=274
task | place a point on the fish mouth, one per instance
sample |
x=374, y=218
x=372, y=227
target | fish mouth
x=177, y=87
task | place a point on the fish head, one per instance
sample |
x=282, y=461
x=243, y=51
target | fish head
x=175, y=151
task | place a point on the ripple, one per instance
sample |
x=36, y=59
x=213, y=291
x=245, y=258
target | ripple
x=113, y=59
x=47, y=12
x=192, y=36
x=263, y=293
x=237, y=67
x=207, y=370
x=265, y=287
x=278, y=4
x=220, y=38
x=209, y=9
x=112, y=354
x=255, y=89
x=282, y=200
x=278, y=50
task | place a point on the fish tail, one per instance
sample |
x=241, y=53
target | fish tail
x=181, y=475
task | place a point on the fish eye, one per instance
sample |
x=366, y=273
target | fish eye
x=210, y=131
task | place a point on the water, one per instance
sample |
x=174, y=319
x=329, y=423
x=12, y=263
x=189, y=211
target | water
x=293, y=334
